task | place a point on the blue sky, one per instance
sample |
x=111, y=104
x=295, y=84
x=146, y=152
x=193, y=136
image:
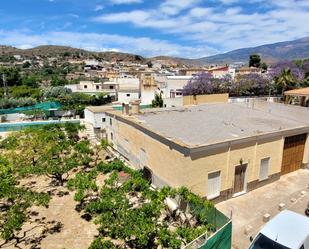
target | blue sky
x=184, y=28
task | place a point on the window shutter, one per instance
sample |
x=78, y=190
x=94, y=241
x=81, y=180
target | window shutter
x=214, y=185
x=264, y=169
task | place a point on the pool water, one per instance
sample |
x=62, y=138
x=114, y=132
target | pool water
x=4, y=127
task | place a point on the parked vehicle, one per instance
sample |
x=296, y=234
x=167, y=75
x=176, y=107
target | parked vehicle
x=307, y=210
x=287, y=230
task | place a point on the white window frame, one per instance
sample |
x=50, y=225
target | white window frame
x=217, y=194
x=261, y=176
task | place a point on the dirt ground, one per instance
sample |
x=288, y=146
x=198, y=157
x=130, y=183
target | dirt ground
x=248, y=210
x=57, y=227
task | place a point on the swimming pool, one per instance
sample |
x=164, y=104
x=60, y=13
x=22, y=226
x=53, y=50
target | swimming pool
x=4, y=127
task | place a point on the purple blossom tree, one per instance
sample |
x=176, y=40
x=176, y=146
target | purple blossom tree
x=297, y=72
x=200, y=84
x=252, y=84
x=205, y=83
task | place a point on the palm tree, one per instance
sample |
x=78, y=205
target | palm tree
x=286, y=80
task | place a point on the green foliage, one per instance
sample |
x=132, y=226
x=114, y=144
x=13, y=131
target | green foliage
x=100, y=243
x=136, y=225
x=15, y=201
x=158, y=100
x=31, y=81
x=51, y=150
x=58, y=92
x=35, y=114
x=12, y=76
x=115, y=165
x=16, y=102
x=104, y=144
x=286, y=80
x=264, y=66
x=167, y=239
x=83, y=183
x=58, y=81
x=25, y=91
x=26, y=64
x=75, y=101
x=189, y=233
x=255, y=60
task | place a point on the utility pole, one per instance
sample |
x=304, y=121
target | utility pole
x=5, y=87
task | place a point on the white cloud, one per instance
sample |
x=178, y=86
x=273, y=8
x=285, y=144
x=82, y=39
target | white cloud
x=222, y=26
x=173, y=7
x=105, y=42
x=125, y=1
x=98, y=7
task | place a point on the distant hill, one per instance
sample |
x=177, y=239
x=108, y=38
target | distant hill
x=271, y=53
x=53, y=51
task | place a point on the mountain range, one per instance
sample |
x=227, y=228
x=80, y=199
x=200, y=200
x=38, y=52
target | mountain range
x=270, y=53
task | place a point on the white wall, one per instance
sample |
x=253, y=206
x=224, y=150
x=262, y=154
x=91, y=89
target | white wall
x=122, y=96
x=95, y=119
x=169, y=83
x=147, y=94
x=172, y=102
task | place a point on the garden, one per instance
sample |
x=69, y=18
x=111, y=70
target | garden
x=59, y=191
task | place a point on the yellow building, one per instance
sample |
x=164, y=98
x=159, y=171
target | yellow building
x=217, y=150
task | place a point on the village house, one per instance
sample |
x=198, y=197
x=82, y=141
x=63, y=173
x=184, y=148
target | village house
x=217, y=150
x=91, y=87
x=248, y=70
x=220, y=72
x=192, y=71
x=172, y=86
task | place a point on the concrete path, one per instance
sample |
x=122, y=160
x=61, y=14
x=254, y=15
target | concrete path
x=248, y=210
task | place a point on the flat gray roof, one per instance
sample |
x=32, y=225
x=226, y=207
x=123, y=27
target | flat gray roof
x=218, y=122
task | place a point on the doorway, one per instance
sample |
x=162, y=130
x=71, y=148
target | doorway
x=293, y=153
x=240, y=179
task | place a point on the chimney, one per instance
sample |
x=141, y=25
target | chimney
x=125, y=108
x=135, y=106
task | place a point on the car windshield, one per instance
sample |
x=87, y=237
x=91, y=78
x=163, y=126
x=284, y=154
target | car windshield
x=263, y=242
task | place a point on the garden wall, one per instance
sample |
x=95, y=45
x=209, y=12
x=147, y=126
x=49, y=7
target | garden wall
x=208, y=98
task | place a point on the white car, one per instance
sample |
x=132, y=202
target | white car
x=287, y=230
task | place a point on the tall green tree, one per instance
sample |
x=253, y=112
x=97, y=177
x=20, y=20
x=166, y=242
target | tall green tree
x=255, y=60
x=158, y=100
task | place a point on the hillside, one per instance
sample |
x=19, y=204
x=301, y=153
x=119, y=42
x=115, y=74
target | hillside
x=271, y=53
x=54, y=51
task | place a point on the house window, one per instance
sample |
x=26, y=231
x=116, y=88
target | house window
x=112, y=136
x=111, y=87
x=110, y=121
x=264, y=166
x=97, y=87
x=214, y=185
x=103, y=120
x=128, y=94
x=85, y=86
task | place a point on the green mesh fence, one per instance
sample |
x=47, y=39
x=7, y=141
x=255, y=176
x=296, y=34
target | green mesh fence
x=213, y=216
x=45, y=106
x=222, y=239
x=220, y=234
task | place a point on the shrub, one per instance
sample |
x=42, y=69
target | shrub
x=14, y=102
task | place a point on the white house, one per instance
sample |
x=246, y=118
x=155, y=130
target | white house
x=172, y=86
x=127, y=89
x=95, y=115
x=91, y=87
